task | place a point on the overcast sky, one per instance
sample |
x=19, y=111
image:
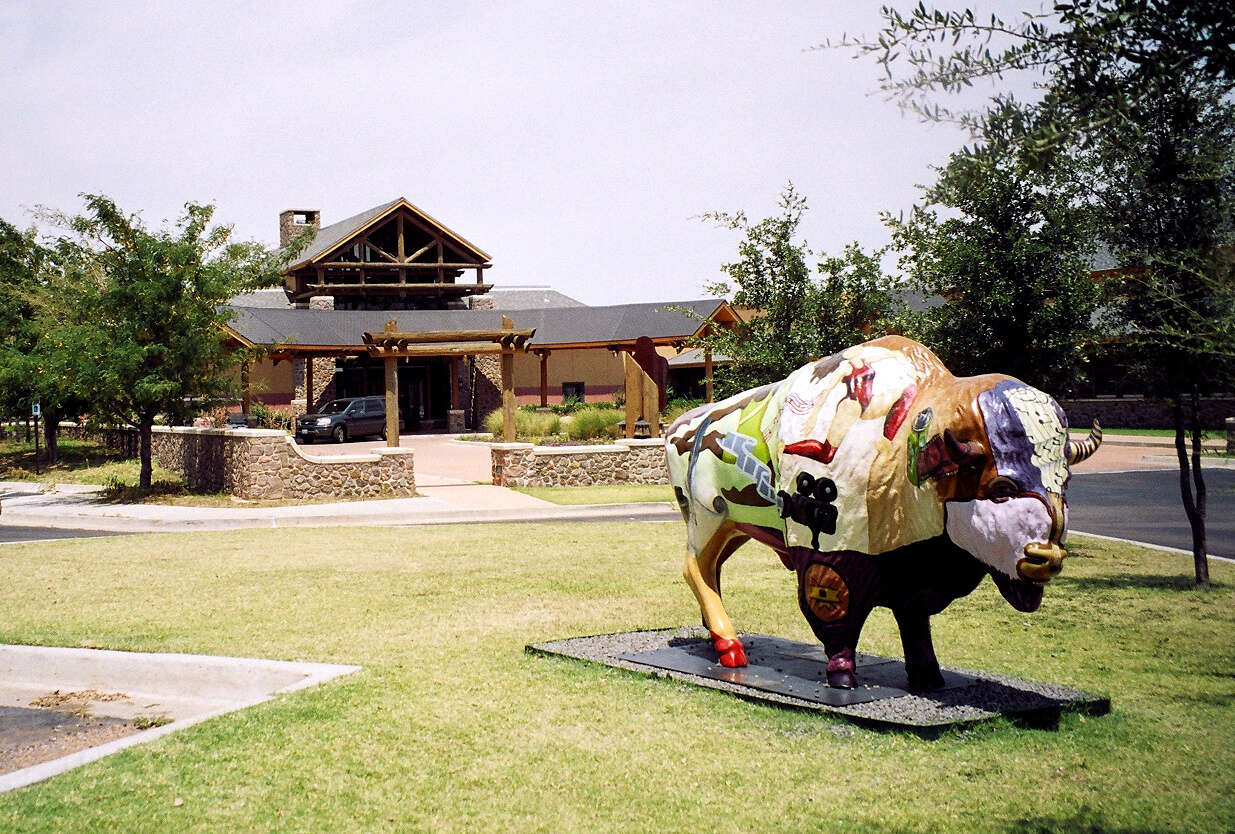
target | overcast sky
x=576, y=143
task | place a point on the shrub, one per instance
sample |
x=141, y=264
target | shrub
x=268, y=418
x=593, y=422
x=529, y=425
x=675, y=408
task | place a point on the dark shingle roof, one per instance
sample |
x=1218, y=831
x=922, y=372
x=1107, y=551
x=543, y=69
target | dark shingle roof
x=328, y=237
x=271, y=298
x=529, y=298
x=554, y=326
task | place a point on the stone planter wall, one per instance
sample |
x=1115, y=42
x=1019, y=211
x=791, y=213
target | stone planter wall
x=265, y=464
x=624, y=462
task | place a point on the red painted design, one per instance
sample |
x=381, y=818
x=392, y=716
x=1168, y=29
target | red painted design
x=813, y=449
x=860, y=384
x=899, y=411
x=732, y=654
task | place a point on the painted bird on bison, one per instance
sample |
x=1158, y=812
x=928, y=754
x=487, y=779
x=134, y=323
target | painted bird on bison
x=879, y=479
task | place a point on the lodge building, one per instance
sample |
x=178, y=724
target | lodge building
x=395, y=270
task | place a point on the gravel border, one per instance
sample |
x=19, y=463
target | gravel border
x=991, y=696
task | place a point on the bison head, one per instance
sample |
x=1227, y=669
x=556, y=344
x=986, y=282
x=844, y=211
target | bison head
x=1015, y=522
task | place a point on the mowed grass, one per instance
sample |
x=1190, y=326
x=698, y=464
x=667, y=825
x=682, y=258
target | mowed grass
x=603, y=494
x=452, y=727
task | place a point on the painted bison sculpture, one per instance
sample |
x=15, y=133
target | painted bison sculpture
x=879, y=478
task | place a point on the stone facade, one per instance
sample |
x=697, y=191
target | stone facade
x=624, y=462
x=487, y=395
x=266, y=464
x=323, y=382
x=1141, y=413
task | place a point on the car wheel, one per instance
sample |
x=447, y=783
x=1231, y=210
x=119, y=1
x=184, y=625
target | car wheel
x=340, y=434
x=383, y=433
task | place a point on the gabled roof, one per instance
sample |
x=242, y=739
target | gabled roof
x=330, y=237
x=555, y=327
x=529, y=298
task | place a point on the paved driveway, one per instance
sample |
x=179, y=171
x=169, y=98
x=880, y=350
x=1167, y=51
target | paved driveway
x=439, y=459
x=1145, y=506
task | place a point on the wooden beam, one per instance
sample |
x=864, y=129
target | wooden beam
x=420, y=251
x=508, y=396
x=308, y=384
x=429, y=351
x=402, y=252
x=707, y=375
x=427, y=336
x=379, y=250
x=454, y=383
x=405, y=264
x=544, y=378
x=634, y=392
x=413, y=288
x=392, y=401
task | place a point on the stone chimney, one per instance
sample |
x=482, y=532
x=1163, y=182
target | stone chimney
x=294, y=221
x=321, y=302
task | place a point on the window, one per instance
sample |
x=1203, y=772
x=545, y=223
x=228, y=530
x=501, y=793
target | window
x=572, y=391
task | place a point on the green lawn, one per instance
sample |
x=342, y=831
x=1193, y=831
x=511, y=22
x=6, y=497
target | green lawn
x=452, y=727
x=607, y=494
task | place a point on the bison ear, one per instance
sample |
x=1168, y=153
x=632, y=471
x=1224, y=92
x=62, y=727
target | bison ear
x=963, y=452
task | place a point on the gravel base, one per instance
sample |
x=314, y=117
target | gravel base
x=987, y=697
x=33, y=736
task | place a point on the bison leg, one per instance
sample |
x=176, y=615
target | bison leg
x=702, y=574
x=921, y=665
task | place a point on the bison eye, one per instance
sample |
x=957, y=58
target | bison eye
x=1001, y=489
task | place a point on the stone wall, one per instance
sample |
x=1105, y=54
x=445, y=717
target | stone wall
x=265, y=464
x=488, y=394
x=1141, y=413
x=624, y=462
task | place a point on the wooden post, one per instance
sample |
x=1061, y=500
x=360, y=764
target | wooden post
x=634, y=392
x=392, y=392
x=454, y=383
x=707, y=375
x=308, y=385
x=392, y=401
x=508, y=387
x=544, y=378
x=508, y=396
x=245, y=399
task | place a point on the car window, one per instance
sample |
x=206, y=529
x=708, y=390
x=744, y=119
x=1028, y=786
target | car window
x=357, y=407
x=375, y=405
x=334, y=407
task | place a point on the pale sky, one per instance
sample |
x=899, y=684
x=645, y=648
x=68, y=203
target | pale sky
x=575, y=143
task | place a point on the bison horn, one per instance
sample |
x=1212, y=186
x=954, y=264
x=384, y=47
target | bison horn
x=1077, y=452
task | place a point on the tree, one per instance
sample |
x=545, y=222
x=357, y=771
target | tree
x=1142, y=86
x=27, y=281
x=142, y=330
x=1167, y=200
x=796, y=317
x=1009, y=259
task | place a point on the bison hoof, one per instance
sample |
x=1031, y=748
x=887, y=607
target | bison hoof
x=842, y=679
x=925, y=680
x=730, y=651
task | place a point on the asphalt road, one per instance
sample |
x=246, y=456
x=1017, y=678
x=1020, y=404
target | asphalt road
x=1146, y=507
x=11, y=534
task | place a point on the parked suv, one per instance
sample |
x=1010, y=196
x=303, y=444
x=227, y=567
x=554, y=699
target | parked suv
x=341, y=419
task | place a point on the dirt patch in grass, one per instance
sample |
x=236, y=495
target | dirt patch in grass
x=33, y=736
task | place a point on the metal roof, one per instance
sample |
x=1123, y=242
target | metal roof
x=270, y=298
x=554, y=326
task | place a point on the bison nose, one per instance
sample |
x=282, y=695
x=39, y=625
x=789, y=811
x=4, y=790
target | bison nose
x=1041, y=561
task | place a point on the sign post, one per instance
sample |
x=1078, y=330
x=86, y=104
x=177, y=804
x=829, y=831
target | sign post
x=35, y=411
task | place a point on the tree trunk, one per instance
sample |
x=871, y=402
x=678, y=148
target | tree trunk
x=51, y=433
x=1194, y=509
x=143, y=437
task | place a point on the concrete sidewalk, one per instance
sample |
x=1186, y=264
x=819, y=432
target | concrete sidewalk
x=443, y=503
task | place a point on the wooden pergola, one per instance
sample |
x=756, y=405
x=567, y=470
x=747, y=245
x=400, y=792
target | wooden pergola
x=391, y=345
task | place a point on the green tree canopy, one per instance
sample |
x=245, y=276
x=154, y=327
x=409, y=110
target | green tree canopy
x=796, y=314
x=142, y=325
x=1005, y=245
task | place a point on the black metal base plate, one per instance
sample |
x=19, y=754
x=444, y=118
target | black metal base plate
x=790, y=673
